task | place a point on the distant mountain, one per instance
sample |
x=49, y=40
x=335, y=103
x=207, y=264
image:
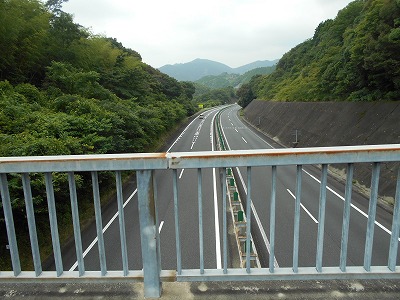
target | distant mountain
x=199, y=68
x=234, y=80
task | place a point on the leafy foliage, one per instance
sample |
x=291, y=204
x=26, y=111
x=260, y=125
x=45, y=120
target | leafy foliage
x=66, y=91
x=354, y=57
x=235, y=80
x=209, y=97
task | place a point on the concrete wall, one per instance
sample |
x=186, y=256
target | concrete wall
x=323, y=124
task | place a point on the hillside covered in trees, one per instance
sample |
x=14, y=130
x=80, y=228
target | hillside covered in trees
x=355, y=57
x=64, y=90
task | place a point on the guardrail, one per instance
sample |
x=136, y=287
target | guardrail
x=146, y=164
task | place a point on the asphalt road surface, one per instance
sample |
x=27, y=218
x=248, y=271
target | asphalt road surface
x=240, y=137
x=199, y=136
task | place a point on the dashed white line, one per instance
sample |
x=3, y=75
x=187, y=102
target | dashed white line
x=160, y=227
x=303, y=207
x=352, y=205
x=236, y=130
x=244, y=140
x=180, y=175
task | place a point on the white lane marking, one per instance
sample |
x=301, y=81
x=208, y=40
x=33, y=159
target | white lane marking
x=257, y=218
x=253, y=208
x=182, y=133
x=104, y=230
x=236, y=130
x=216, y=215
x=352, y=205
x=232, y=124
x=244, y=140
x=303, y=207
x=160, y=227
x=74, y=266
x=180, y=175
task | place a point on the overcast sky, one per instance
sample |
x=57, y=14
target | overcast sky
x=233, y=32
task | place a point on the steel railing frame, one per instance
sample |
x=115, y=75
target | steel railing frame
x=146, y=164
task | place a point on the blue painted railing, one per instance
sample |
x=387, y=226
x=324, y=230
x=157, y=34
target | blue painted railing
x=146, y=164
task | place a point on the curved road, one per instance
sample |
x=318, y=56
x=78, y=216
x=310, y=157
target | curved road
x=199, y=136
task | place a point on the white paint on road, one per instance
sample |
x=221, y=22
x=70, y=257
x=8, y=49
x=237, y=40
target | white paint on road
x=352, y=205
x=180, y=175
x=216, y=215
x=257, y=218
x=236, y=130
x=303, y=207
x=160, y=227
x=253, y=208
x=244, y=140
x=104, y=230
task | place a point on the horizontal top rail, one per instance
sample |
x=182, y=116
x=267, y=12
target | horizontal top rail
x=286, y=156
x=95, y=162
x=204, y=159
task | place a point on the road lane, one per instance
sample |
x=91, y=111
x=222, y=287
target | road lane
x=197, y=136
x=240, y=137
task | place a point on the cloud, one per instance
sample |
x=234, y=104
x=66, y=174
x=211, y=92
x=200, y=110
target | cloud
x=234, y=32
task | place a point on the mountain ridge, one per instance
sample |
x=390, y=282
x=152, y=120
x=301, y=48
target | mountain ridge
x=198, y=68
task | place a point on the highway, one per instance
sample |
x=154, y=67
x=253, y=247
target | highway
x=199, y=136
x=240, y=137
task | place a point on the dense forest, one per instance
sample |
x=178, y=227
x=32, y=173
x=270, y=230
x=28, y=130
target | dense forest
x=65, y=90
x=355, y=57
x=232, y=79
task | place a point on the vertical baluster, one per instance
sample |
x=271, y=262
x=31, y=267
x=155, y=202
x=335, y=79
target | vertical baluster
x=371, y=216
x=99, y=223
x=8, y=216
x=200, y=203
x=121, y=219
x=53, y=223
x=297, y=220
x=75, y=221
x=26, y=184
x=394, y=239
x=177, y=229
x=272, y=221
x=224, y=221
x=148, y=233
x=155, y=195
x=321, y=218
x=248, y=219
x=346, y=217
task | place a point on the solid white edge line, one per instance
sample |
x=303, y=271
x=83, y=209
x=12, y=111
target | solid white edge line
x=303, y=207
x=257, y=218
x=216, y=214
x=104, y=230
x=131, y=196
x=263, y=234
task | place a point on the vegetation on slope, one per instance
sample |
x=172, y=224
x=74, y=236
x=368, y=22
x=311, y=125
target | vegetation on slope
x=355, y=57
x=64, y=90
x=234, y=80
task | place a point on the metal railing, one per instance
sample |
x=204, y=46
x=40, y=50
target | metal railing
x=145, y=166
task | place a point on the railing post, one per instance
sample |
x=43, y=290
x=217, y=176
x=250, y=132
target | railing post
x=148, y=236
